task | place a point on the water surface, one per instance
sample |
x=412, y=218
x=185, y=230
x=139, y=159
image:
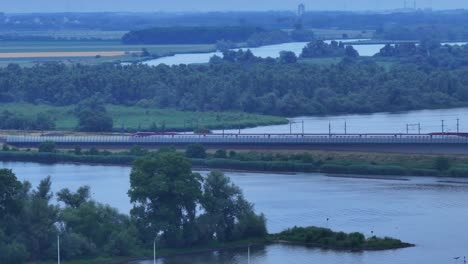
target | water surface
x=271, y=51
x=429, y=121
x=421, y=210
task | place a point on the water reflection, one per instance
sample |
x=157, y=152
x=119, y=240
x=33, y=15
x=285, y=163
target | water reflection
x=231, y=256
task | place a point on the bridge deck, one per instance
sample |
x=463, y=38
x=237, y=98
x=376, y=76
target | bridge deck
x=248, y=139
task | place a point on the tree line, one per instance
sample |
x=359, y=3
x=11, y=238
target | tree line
x=240, y=81
x=253, y=36
x=165, y=194
x=41, y=121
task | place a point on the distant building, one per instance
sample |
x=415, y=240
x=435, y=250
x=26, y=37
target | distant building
x=301, y=10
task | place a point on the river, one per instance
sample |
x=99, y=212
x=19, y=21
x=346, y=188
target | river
x=418, y=210
x=429, y=121
x=264, y=52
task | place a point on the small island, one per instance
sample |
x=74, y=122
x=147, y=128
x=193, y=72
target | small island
x=328, y=239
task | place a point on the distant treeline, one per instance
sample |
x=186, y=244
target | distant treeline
x=443, y=32
x=253, y=36
x=242, y=82
x=41, y=121
x=189, y=35
x=268, y=20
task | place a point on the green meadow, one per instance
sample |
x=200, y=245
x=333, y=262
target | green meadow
x=137, y=118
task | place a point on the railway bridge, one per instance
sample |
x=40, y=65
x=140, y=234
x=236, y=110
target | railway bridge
x=437, y=143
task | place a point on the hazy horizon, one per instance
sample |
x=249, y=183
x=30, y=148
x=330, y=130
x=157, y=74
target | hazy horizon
x=28, y=6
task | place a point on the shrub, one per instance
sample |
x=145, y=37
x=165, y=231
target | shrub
x=220, y=154
x=196, y=151
x=47, y=146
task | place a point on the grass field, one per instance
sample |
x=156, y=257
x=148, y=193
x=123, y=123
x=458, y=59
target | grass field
x=136, y=118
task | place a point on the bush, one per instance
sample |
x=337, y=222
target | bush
x=77, y=150
x=251, y=226
x=326, y=238
x=195, y=151
x=48, y=147
x=220, y=154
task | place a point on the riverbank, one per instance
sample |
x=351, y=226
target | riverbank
x=314, y=237
x=336, y=164
x=325, y=238
x=163, y=253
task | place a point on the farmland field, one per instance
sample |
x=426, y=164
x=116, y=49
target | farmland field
x=137, y=118
x=26, y=53
x=67, y=34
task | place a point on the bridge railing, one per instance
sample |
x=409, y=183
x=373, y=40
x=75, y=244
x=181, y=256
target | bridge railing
x=248, y=139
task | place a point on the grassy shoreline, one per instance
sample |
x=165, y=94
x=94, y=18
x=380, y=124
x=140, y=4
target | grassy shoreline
x=362, y=165
x=310, y=237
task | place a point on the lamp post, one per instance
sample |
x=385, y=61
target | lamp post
x=58, y=249
x=296, y=122
x=248, y=254
x=59, y=227
x=154, y=245
x=154, y=250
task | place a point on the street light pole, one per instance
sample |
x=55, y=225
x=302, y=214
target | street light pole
x=154, y=251
x=58, y=249
x=248, y=254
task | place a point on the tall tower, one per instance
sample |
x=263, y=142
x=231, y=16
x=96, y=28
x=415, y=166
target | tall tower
x=301, y=10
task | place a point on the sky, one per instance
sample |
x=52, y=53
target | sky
x=26, y=6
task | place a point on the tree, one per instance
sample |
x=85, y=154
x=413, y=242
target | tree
x=10, y=189
x=220, y=154
x=164, y=193
x=93, y=117
x=351, y=52
x=145, y=52
x=90, y=227
x=287, y=57
x=227, y=210
x=74, y=200
x=94, y=122
x=38, y=221
x=47, y=146
x=195, y=151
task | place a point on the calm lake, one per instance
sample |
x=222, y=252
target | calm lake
x=419, y=210
x=263, y=52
